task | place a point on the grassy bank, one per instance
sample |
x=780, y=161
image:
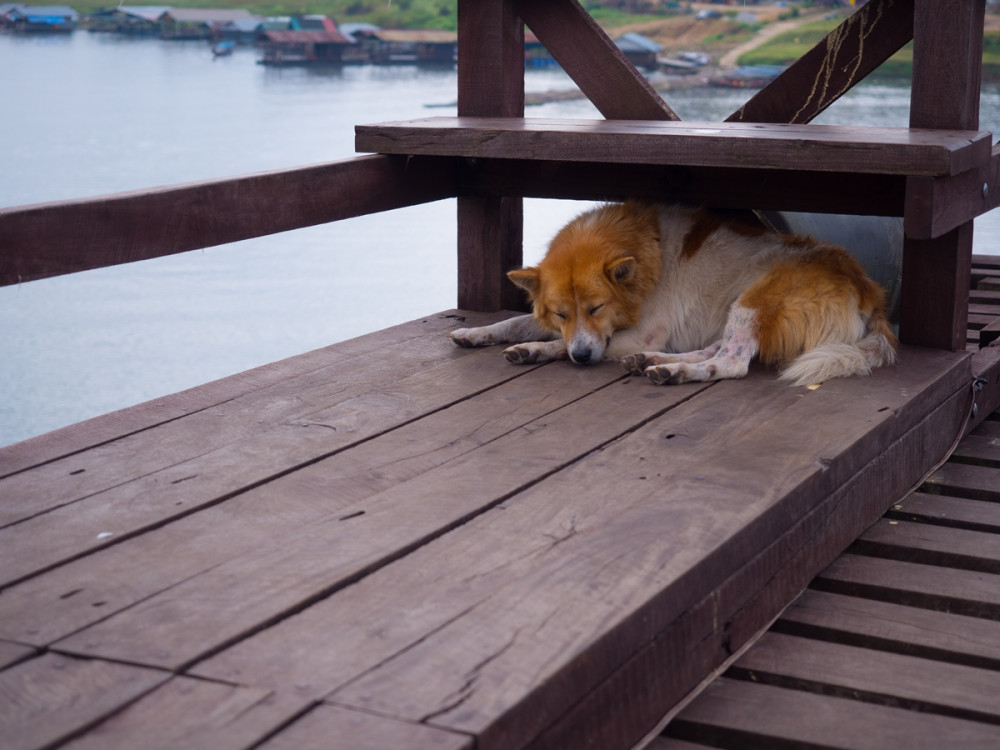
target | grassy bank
x=790, y=46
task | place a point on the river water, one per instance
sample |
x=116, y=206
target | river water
x=88, y=114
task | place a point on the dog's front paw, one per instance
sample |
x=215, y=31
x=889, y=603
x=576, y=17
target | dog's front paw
x=521, y=354
x=635, y=364
x=470, y=337
x=672, y=374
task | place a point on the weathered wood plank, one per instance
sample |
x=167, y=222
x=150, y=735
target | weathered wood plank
x=51, y=606
x=931, y=545
x=11, y=653
x=305, y=563
x=913, y=584
x=874, y=676
x=304, y=418
x=978, y=448
x=944, y=636
x=50, y=239
x=824, y=148
x=195, y=715
x=867, y=38
x=741, y=714
x=328, y=727
x=948, y=511
x=593, y=61
x=48, y=699
x=628, y=536
x=964, y=480
x=105, y=428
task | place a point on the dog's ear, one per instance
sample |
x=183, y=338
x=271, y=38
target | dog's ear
x=622, y=270
x=527, y=278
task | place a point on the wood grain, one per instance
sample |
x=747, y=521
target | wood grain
x=49, y=698
x=824, y=148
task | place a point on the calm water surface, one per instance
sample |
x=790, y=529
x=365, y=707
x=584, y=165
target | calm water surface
x=88, y=114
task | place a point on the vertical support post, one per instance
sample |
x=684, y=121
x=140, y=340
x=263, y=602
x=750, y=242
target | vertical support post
x=490, y=84
x=947, y=70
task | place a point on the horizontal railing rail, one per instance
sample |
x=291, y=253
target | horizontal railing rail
x=51, y=239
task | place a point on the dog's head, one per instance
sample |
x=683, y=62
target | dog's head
x=598, y=270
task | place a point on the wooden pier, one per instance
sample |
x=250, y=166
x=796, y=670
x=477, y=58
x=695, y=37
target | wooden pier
x=395, y=542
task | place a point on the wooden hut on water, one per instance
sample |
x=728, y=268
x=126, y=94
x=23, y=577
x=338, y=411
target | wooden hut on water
x=394, y=542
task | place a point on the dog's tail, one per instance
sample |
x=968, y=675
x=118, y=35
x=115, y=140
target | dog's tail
x=876, y=348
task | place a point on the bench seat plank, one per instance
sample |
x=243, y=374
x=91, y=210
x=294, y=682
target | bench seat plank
x=814, y=148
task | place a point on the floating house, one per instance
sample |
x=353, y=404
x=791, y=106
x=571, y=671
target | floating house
x=41, y=18
x=134, y=20
x=283, y=48
x=201, y=23
x=640, y=50
x=414, y=46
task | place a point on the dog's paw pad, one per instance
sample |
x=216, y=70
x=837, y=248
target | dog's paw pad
x=664, y=375
x=634, y=363
x=520, y=355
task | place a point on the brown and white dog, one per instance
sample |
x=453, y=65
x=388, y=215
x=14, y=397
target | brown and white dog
x=681, y=295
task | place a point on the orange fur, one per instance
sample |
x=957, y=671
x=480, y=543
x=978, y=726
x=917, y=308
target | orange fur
x=597, y=272
x=809, y=298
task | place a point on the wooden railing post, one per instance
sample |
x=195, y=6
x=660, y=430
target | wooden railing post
x=947, y=71
x=490, y=84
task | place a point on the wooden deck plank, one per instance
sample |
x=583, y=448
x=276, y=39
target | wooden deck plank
x=885, y=626
x=122, y=423
x=955, y=512
x=931, y=587
x=304, y=562
x=931, y=545
x=736, y=714
x=12, y=653
x=402, y=686
x=965, y=480
x=90, y=500
x=824, y=148
x=299, y=405
x=194, y=715
x=47, y=699
x=362, y=731
x=261, y=519
x=872, y=676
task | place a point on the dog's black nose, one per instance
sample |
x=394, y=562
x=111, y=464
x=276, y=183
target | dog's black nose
x=581, y=356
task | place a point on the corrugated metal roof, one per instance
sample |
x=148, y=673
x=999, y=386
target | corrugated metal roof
x=314, y=37
x=209, y=15
x=427, y=36
x=146, y=12
x=633, y=42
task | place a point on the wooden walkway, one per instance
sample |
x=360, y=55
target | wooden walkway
x=395, y=542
